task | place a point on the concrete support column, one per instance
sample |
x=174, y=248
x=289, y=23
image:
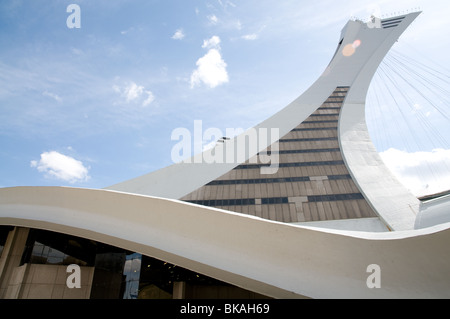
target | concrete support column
x=11, y=256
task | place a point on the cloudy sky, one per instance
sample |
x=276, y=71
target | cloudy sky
x=94, y=105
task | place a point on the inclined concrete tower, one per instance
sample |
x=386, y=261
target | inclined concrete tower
x=313, y=221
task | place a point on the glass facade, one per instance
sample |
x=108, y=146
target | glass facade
x=295, y=164
x=4, y=231
x=116, y=272
x=158, y=278
x=308, y=139
x=43, y=254
x=132, y=272
x=274, y=180
x=276, y=200
x=45, y=247
x=122, y=274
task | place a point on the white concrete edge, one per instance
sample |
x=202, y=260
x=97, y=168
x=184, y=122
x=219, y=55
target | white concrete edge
x=369, y=224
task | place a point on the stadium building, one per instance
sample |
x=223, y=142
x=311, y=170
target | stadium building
x=308, y=210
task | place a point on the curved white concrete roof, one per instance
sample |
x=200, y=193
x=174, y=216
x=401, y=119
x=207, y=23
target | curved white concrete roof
x=275, y=259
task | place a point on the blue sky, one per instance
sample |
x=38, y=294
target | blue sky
x=96, y=105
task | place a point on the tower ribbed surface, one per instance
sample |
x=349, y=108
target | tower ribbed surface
x=312, y=182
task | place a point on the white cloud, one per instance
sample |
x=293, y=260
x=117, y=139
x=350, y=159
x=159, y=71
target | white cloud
x=250, y=37
x=213, y=19
x=135, y=93
x=52, y=95
x=61, y=167
x=231, y=4
x=179, y=35
x=211, y=43
x=211, y=68
x=123, y=32
x=77, y=51
x=150, y=98
x=226, y=4
x=421, y=172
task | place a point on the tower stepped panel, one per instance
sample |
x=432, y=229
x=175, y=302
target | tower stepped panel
x=312, y=182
